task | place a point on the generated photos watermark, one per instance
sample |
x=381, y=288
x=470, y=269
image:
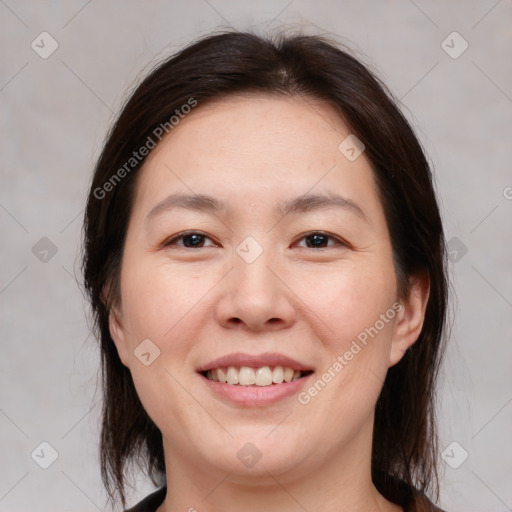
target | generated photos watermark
x=137, y=156
x=355, y=348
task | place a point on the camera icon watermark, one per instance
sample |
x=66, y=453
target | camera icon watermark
x=44, y=250
x=456, y=249
x=454, y=455
x=44, y=455
x=44, y=45
x=351, y=147
x=249, y=455
x=249, y=249
x=147, y=352
x=454, y=45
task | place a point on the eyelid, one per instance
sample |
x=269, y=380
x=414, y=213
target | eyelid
x=338, y=240
x=178, y=236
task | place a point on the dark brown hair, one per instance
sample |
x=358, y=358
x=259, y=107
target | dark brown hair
x=404, y=443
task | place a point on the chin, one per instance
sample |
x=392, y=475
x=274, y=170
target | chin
x=256, y=453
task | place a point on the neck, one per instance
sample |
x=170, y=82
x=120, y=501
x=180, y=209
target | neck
x=340, y=483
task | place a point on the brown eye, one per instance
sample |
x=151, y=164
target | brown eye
x=320, y=240
x=189, y=240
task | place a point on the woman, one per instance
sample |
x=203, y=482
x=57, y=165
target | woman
x=265, y=260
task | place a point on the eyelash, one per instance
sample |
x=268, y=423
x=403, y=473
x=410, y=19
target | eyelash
x=338, y=241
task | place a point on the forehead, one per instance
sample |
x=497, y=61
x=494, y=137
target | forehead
x=250, y=147
x=252, y=123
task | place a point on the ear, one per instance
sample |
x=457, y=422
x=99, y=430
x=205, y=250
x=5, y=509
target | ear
x=410, y=317
x=117, y=331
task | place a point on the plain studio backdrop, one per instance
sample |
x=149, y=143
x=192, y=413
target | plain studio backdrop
x=65, y=69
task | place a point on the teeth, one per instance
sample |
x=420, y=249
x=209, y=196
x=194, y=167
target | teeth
x=277, y=375
x=246, y=376
x=263, y=376
x=288, y=374
x=221, y=374
x=232, y=375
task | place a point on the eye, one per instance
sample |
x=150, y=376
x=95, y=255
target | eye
x=320, y=240
x=191, y=240
x=196, y=240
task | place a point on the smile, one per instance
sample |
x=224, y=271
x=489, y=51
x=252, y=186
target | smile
x=250, y=380
x=248, y=376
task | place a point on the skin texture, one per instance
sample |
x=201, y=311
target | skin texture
x=197, y=304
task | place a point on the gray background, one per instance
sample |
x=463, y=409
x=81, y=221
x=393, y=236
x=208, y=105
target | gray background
x=54, y=118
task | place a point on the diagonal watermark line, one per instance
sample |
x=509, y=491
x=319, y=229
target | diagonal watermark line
x=12, y=280
x=193, y=306
x=487, y=281
x=219, y=13
x=13, y=77
x=286, y=491
x=305, y=193
x=193, y=192
x=491, y=80
x=486, y=14
x=419, y=81
x=73, y=17
x=72, y=220
x=85, y=494
x=492, y=211
x=332, y=332
x=83, y=343
x=491, y=419
x=69, y=273
x=279, y=424
x=508, y=508
x=14, y=14
x=81, y=419
x=380, y=379
x=217, y=486
x=279, y=14
x=424, y=14
x=317, y=112
x=14, y=423
x=13, y=217
x=86, y=86
x=199, y=403
x=12, y=488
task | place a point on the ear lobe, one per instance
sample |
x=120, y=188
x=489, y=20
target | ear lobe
x=410, y=319
x=118, y=334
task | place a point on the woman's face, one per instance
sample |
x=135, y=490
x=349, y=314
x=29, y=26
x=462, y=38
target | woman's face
x=286, y=267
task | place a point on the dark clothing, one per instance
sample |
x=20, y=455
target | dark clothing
x=150, y=503
x=417, y=503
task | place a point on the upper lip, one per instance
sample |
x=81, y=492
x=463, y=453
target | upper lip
x=254, y=361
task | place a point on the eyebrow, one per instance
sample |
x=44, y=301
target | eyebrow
x=301, y=204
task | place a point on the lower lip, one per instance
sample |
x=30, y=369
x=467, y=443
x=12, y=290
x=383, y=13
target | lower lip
x=256, y=396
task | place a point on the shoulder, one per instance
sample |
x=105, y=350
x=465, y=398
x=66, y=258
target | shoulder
x=418, y=503
x=150, y=503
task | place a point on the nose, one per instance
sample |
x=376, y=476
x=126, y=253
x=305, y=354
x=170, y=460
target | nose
x=255, y=297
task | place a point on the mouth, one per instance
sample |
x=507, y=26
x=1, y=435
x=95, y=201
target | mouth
x=255, y=380
x=254, y=376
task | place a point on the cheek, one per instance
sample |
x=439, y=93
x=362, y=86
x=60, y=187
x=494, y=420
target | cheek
x=358, y=321
x=355, y=305
x=158, y=298
x=161, y=304
x=349, y=300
